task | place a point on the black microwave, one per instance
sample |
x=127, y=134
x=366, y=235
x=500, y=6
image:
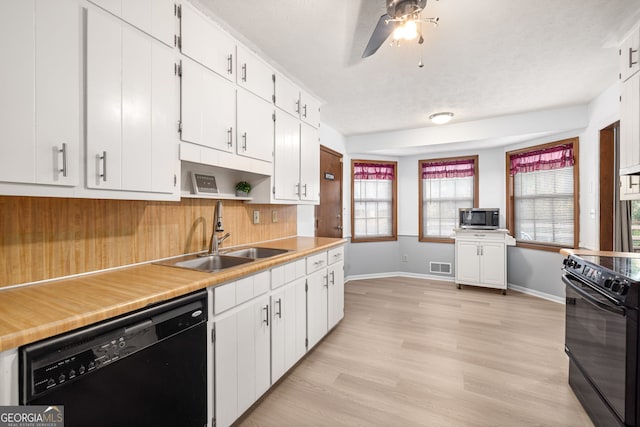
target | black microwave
x=480, y=218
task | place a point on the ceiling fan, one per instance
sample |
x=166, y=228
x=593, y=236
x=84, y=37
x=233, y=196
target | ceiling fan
x=402, y=19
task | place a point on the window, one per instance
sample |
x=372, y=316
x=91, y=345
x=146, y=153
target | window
x=445, y=185
x=542, y=195
x=373, y=200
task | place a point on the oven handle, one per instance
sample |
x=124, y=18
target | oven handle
x=607, y=307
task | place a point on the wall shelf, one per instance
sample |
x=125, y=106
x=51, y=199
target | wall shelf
x=221, y=196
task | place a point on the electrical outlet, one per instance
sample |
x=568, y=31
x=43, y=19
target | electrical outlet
x=274, y=216
x=405, y=258
x=256, y=217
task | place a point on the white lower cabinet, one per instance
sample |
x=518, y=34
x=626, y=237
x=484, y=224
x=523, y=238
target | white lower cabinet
x=288, y=328
x=264, y=324
x=481, y=258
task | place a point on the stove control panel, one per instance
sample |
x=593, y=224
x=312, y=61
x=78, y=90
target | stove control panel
x=607, y=282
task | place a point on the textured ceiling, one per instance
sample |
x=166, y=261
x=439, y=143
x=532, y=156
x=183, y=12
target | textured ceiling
x=486, y=58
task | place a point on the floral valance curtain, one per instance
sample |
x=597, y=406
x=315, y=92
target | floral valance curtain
x=560, y=156
x=384, y=171
x=448, y=169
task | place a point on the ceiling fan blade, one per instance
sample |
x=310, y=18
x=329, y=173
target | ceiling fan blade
x=380, y=34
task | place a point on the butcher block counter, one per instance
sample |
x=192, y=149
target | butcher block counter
x=567, y=252
x=37, y=311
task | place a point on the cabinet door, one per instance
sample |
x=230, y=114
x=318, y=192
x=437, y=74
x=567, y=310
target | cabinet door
x=336, y=294
x=467, y=262
x=57, y=89
x=630, y=124
x=629, y=187
x=208, y=108
x=104, y=101
x=226, y=371
x=317, y=306
x=629, y=55
x=262, y=353
x=154, y=17
x=287, y=157
x=254, y=75
x=255, y=127
x=40, y=92
x=309, y=163
x=287, y=95
x=288, y=331
x=492, y=264
x=309, y=109
x=206, y=43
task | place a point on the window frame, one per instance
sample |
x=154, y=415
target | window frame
x=394, y=203
x=510, y=214
x=476, y=186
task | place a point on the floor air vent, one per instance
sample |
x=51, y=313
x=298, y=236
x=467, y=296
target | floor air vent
x=440, y=267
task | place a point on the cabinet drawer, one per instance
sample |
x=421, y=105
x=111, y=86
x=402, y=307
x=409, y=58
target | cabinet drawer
x=316, y=262
x=244, y=290
x=287, y=273
x=336, y=255
x=224, y=297
x=261, y=282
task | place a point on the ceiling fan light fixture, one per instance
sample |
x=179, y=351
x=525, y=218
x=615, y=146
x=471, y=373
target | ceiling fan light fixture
x=406, y=30
x=441, y=118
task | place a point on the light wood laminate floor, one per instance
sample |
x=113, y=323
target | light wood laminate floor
x=419, y=352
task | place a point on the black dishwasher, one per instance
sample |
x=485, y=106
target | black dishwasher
x=147, y=368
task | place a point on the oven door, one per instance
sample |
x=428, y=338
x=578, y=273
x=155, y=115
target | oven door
x=595, y=340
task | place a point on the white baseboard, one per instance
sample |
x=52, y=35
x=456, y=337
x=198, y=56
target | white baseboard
x=528, y=291
x=399, y=274
x=533, y=292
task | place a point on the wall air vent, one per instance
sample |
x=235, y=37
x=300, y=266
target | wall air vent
x=439, y=267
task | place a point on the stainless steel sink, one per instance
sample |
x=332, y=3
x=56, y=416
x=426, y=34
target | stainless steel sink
x=256, y=252
x=209, y=263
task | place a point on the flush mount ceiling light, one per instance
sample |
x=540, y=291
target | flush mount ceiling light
x=441, y=118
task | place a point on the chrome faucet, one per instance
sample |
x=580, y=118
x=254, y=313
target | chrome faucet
x=217, y=227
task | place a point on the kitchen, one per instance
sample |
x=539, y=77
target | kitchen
x=54, y=229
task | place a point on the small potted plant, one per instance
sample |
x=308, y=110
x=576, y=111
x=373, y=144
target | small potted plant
x=243, y=188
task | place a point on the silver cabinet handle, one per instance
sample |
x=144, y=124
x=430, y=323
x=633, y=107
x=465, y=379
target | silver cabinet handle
x=230, y=64
x=279, y=312
x=244, y=141
x=230, y=137
x=297, y=189
x=304, y=114
x=631, y=62
x=244, y=72
x=333, y=277
x=103, y=175
x=304, y=193
x=318, y=262
x=298, y=106
x=63, y=150
x=326, y=281
x=266, y=319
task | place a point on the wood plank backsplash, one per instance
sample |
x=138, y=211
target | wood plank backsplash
x=43, y=238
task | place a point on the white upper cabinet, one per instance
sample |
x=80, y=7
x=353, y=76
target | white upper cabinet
x=39, y=89
x=309, y=163
x=287, y=95
x=154, y=17
x=206, y=43
x=254, y=74
x=131, y=109
x=208, y=114
x=629, y=55
x=255, y=127
x=286, y=173
x=309, y=109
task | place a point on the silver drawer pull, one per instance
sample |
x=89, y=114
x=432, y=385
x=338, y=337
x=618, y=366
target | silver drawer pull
x=63, y=150
x=103, y=175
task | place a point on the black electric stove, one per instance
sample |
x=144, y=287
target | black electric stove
x=601, y=336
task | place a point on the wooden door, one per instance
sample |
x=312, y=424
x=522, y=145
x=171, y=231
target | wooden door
x=329, y=211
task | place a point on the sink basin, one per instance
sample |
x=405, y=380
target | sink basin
x=257, y=252
x=208, y=263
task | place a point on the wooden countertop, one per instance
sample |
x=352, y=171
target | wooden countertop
x=579, y=252
x=34, y=312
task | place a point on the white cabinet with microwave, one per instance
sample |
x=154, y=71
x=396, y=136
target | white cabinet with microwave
x=481, y=258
